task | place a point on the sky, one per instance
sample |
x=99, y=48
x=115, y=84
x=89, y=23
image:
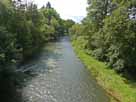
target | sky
x=68, y=9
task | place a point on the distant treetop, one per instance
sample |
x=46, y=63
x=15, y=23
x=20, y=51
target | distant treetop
x=48, y=5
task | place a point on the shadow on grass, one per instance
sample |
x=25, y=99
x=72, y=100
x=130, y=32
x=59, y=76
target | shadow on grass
x=130, y=75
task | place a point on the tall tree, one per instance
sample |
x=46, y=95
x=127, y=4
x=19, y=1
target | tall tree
x=48, y=5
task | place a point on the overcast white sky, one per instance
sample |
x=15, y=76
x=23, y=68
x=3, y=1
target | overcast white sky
x=68, y=9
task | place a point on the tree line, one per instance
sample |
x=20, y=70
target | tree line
x=24, y=29
x=109, y=33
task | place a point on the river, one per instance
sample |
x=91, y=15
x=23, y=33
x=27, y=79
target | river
x=60, y=77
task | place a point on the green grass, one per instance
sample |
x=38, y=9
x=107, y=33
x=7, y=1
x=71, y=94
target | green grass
x=116, y=86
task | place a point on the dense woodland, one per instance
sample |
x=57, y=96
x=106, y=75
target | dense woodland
x=109, y=33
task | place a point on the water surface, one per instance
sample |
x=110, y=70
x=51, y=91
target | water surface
x=61, y=77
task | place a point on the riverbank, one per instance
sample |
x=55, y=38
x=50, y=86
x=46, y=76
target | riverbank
x=116, y=86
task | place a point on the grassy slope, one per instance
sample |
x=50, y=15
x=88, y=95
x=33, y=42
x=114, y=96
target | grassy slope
x=115, y=85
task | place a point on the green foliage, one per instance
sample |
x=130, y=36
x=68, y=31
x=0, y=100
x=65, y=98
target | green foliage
x=7, y=46
x=76, y=30
x=23, y=30
x=52, y=26
x=110, y=33
x=120, y=37
x=115, y=85
x=67, y=24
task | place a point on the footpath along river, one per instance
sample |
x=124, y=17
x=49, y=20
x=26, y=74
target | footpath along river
x=61, y=77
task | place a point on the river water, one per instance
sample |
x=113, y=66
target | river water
x=61, y=77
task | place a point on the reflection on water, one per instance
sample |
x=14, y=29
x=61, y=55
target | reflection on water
x=61, y=77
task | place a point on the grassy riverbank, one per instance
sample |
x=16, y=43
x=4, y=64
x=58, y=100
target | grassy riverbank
x=116, y=86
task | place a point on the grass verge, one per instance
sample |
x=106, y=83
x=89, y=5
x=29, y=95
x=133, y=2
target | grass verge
x=116, y=86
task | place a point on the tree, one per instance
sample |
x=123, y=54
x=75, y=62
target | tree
x=48, y=5
x=52, y=22
x=67, y=25
x=120, y=37
x=109, y=33
x=23, y=30
x=98, y=10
